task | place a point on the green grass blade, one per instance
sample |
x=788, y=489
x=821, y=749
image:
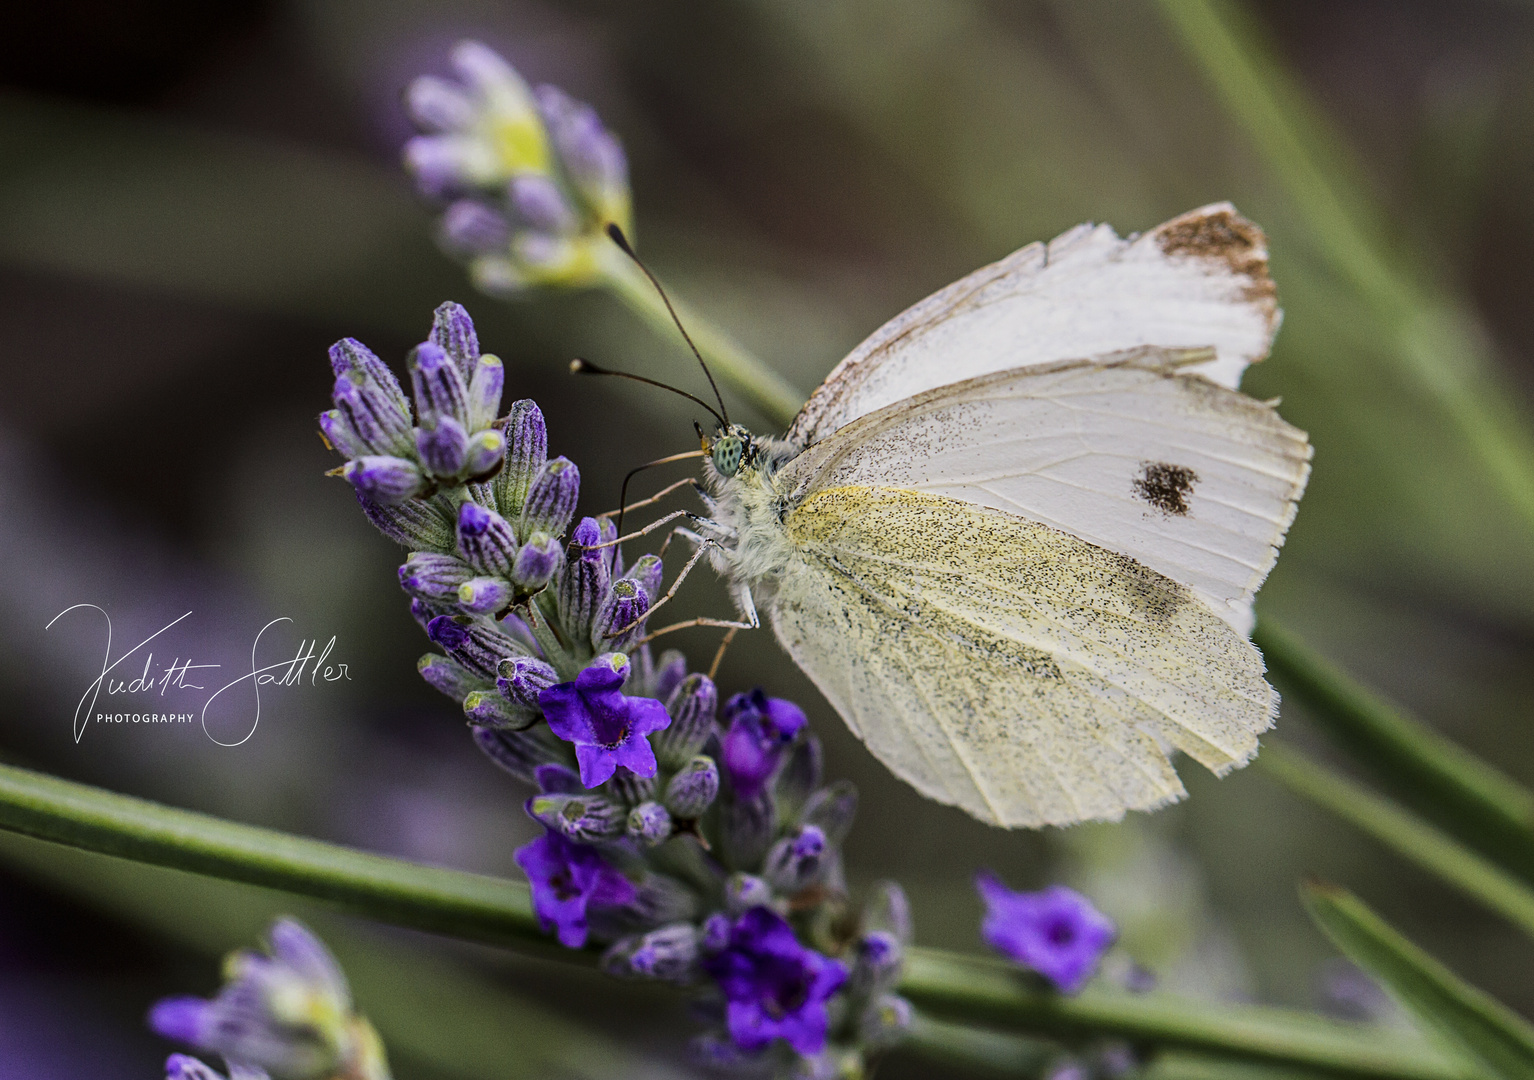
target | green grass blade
x=1481, y=1027
x=1434, y=338
x=980, y=991
x=1403, y=832
x=1444, y=782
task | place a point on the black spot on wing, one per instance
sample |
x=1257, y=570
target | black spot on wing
x=1166, y=487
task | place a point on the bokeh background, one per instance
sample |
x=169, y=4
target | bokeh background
x=195, y=200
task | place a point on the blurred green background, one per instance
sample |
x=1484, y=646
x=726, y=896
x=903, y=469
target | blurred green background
x=195, y=200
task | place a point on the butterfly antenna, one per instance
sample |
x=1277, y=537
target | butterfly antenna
x=623, y=243
x=623, y=492
x=586, y=367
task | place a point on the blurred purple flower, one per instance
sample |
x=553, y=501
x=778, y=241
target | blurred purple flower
x=759, y=729
x=1056, y=932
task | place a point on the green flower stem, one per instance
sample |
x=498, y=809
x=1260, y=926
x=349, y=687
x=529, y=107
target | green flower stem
x=730, y=362
x=1403, y=832
x=949, y=987
x=1446, y=783
x=391, y=890
x=978, y=991
x=1435, y=339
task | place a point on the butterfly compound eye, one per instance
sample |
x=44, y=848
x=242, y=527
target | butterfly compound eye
x=727, y=453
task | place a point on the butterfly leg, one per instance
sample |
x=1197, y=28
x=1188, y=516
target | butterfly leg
x=675, y=585
x=687, y=623
x=657, y=523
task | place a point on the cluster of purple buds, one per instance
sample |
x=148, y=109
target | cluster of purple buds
x=287, y=1013
x=694, y=839
x=397, y=454
x=528, y=179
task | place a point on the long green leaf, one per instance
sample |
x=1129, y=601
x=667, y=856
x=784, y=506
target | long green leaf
x=1487, y=1031
x=950, y=987
x=1453, y=787
x=1435, y=338
x=1403, y=832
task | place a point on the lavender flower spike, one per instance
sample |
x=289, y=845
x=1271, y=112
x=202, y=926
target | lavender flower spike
x=288, y=1013
x=567, y=879
x=1056, y=932
x=774, y=987
x=607, y=728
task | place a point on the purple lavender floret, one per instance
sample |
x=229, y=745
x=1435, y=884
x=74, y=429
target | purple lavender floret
x=607, y=728
x=1056, y=932
x=760, y=728
x=469, y=227
x=568, y=878
x=443, y=446
x=387, y=481
x=486, y=540
x=184, y=1067
x=774, y=987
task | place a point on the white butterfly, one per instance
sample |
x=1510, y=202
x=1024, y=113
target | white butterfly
x=1014, y=537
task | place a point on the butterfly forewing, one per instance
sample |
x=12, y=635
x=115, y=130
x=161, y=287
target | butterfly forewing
x=1199, y=280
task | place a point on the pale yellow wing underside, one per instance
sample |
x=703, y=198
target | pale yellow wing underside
x=1008, y=668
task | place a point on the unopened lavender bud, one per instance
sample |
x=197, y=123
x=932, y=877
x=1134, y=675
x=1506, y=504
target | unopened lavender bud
x=485, y=385
x=714, y=934
x=527, y=448
x=371, y=414
x=387, y=481
x=582, y=818
x=746, y=827
x=885, y=1022
x=486, y=449
x=448, y=676
x=584, y=584
x=522, y=678
x=452, y=331
x=340, y=436
x=350, y=355
x=661, y=899
x=832, y=808
x=693, y=789
x=620, y=620
x=670, y=670
x=478, y=647
x=486, y=540
x=692, y=706
x=440, y=389
x=800, y=774
x=796, y=862
x=518, y=752
x=551, y=498
x=648, y=571
x=487, y=708
x=434, y=577
x=742, y=892
x=888, y=910
x=536, y=563
x=670, y=953
x=558, y=780
x=424, y=611
x=592, y=156
x=631, y=788
x=485, y=595
x=469, y=227
x=877, y=959
x=438, y=105
x=443, y=447
x=416, y=524
x=538, y=203
x=649, y=823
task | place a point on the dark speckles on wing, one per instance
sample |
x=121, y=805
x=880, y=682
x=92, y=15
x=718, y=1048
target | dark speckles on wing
x=1166, y=487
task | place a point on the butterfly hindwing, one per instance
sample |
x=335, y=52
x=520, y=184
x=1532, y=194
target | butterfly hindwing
x=1006, y=667
x=1127, y=452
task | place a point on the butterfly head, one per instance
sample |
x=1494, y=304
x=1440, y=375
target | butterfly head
x=730, y=449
